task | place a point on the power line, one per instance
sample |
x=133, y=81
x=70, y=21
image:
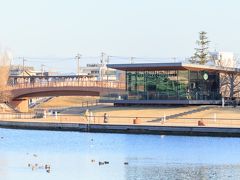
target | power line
x=109, y=58
x=41, y=59
x=44, y=59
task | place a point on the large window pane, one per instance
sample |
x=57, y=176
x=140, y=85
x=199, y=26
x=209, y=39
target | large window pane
x=173, y=84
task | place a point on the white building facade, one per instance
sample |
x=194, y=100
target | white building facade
x=224, y=59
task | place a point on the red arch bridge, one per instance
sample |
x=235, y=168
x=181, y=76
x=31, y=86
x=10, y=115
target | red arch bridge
x=23, y=88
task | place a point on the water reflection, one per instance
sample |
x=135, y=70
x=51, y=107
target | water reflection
x=3, y=165
x=73, y=155
x=188, y=171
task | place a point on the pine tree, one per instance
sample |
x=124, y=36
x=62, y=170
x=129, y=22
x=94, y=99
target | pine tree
x=201, y=52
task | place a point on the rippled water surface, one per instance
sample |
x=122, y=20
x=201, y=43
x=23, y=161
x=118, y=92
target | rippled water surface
x=76, y=156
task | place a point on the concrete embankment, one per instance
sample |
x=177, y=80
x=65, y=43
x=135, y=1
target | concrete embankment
x=128, y=129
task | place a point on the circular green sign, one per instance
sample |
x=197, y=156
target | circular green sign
x=205, y=76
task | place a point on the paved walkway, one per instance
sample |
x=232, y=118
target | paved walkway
x=123, y=121
x=224, y=117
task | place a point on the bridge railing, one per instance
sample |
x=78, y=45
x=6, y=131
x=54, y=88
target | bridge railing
x=101, y=84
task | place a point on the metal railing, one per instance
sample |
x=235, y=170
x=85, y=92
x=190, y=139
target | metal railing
x=20, y=116
x=156, y=96
x=101, y=84
x=203, y=122
x=83, y=104
x=123, y=120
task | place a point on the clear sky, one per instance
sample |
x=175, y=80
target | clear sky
x=140, y=28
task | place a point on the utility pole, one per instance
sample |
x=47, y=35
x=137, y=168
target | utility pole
x=107, y=67
x=23, y=65
x=78, y=57
x=42, y=68
x=131, y=60
x=102, y=61
x=108, y=59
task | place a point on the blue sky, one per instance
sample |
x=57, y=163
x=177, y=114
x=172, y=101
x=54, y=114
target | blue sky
x=139, y=28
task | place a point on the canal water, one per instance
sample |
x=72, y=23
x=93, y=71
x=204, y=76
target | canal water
x=76, y=156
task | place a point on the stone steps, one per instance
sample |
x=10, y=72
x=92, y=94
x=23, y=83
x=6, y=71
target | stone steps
x=190, y=112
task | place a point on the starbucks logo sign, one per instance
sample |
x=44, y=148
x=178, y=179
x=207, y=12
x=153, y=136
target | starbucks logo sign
x=205, y=76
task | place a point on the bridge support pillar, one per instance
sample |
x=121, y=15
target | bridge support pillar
x=20, y=104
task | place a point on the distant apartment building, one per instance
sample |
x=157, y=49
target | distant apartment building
x=224, y=59
x=18, y=70
x=101, y=72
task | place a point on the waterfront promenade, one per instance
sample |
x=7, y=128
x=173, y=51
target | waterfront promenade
x=124, y=128
x=211, y=116
x=217, y=121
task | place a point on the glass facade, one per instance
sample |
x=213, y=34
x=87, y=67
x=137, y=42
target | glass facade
x=172, y=85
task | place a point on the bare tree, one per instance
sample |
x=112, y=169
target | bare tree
x=229, y=80
x=5, y=59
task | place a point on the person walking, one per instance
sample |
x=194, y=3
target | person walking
x=105, y=118
x=86, y=115
x=91, y=117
